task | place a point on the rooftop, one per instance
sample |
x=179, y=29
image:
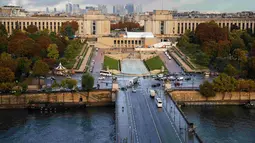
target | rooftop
x=139, y=35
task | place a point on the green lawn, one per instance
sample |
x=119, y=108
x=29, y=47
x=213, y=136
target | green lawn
x=111, y=63
x=155, y=64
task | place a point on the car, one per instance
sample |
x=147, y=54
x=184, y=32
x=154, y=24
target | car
x=158, y=84
x=153, y=85
x=188, y=78
x=101, y=78
x=134, y=90
x=160, y=75
x=96, y=49
x=172, y=78
x=180, y=78
x=52, y=78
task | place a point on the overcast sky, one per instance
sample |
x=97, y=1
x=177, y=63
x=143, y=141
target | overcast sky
x=148, y=5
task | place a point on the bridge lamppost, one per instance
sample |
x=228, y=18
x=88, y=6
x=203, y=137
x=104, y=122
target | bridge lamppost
x=192, y=82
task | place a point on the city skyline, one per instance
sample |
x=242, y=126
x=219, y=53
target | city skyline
x=148, y=5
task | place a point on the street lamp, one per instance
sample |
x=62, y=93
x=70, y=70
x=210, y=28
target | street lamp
x=192, y=82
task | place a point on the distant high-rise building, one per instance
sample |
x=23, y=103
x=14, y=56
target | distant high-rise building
x=69, y=7
x=102, y=8
x=47, y=10
x=55, y=10
x=138, y=9
x=119, y=9
x=129, y=8
x=76, y=8
x=87, y=8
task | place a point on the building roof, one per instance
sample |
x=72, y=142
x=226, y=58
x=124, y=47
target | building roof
x=139, y=35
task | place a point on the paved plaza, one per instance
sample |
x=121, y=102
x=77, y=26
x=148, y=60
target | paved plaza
x=133, y=66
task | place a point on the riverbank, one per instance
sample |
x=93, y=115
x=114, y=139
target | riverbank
x=92, y=98
x=195, y=98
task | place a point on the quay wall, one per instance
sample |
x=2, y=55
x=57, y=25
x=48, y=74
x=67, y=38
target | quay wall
x=195, y=98
x=92, y=98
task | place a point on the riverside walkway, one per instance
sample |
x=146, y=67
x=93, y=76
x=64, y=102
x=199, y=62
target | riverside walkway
x=85, y=61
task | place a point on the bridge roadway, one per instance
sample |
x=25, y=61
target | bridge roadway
x=142, y=122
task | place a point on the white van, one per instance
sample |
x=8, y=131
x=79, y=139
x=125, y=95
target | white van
x=152, y=93
x=159, y=102
x=105, y=73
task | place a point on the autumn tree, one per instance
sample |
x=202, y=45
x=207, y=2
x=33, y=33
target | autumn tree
x=129, y=25
x=40, y=68
x=69, y=28
x=31, y=29
x=211, y=32
x=7, y=61
x=6, y=75
x=43, y=43
x=53, y=51
x=22, y=47
x=3, y=44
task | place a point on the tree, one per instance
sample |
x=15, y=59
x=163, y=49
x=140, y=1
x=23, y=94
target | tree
x=251, y=87
x=210, y=32
x=6, y=86
x=206, y=89
x=230, y=70
x=23, y=66
x=87, y=81
x=224, y=83
x=50, y=62
x=43, y=43
x=3, y=44
x=69, y=83
x=53, y=51
x=240, y=56
x=40, y=68
x=69, y=28
x=6, y=75
x=202, y=59
x=31, y=29
x=237, y=43
x=3, y=31
x=7, y=61
x=251, y=68
x=22, y=47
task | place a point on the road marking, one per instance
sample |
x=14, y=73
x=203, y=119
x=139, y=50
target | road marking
x=132, y=115
x=152, y=118
x=172, y=124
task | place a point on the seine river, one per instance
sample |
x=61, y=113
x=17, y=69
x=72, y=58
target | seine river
x=95, y=125
x=223, y=124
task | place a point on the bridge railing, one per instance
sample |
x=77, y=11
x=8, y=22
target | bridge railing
x=186, y=131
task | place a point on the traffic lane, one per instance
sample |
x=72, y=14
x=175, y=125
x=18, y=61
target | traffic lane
x=164, y=125
x=144, y=123
x=173, y=116
x=171, y=65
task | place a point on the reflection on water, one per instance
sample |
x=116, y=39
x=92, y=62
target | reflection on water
x=223, y=124
x=94, y=125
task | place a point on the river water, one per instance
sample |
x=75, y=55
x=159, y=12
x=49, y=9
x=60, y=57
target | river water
x=91, y=125
x=223, y=124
